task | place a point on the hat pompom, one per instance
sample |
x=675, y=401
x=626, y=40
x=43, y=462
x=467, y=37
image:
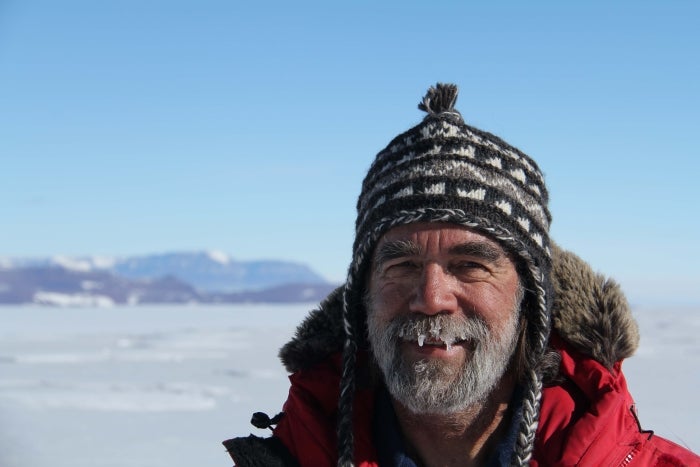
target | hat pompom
x=439, y=98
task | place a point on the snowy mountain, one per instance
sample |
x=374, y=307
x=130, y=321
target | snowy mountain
x=215, y=271
x=198, y=277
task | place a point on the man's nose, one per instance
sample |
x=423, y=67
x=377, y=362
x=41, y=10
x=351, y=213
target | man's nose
x=434, y=292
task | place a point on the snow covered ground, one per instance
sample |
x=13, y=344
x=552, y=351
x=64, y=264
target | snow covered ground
x=162, y=386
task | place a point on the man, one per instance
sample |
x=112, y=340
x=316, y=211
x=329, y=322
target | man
x=462, y=336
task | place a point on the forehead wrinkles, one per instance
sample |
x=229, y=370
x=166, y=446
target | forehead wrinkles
x=478, y=248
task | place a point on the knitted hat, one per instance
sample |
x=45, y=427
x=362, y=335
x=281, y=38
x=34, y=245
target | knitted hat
x=443, y=170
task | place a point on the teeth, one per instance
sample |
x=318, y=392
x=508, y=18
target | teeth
x=435, y=340
x=434, y=330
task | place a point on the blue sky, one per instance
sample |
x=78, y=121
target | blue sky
x=132, y=127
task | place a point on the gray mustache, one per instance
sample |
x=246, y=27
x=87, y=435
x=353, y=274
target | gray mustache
x=446, y=328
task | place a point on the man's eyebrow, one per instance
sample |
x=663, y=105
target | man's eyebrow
x=481, y=250
x=395, y=249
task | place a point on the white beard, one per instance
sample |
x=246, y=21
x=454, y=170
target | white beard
x=430, y=386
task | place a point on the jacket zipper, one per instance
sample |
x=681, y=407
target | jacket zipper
x=629, y=457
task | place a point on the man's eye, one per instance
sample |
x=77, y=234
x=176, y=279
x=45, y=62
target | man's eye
x=400, y=266
x=469, y=266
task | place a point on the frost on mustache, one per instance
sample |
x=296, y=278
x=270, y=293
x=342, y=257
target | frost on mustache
x=431, y=332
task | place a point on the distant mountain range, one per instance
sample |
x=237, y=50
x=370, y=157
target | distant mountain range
x=189, y=277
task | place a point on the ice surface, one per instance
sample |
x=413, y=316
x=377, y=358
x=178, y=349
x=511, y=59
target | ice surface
x=136, y=386
x=78, y=299
x=163, y=386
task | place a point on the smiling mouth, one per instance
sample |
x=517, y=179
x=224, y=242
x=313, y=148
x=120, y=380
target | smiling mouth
x=435, y=333
x=427, y=340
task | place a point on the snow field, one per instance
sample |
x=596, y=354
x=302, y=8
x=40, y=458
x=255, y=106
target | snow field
x=163, y=386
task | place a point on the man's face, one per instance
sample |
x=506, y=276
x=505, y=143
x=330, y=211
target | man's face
x=442, y=312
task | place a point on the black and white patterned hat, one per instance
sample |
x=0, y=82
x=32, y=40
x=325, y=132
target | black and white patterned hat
x=443, y=170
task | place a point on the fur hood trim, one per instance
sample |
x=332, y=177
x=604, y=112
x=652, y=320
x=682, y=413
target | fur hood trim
x=589, y=311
